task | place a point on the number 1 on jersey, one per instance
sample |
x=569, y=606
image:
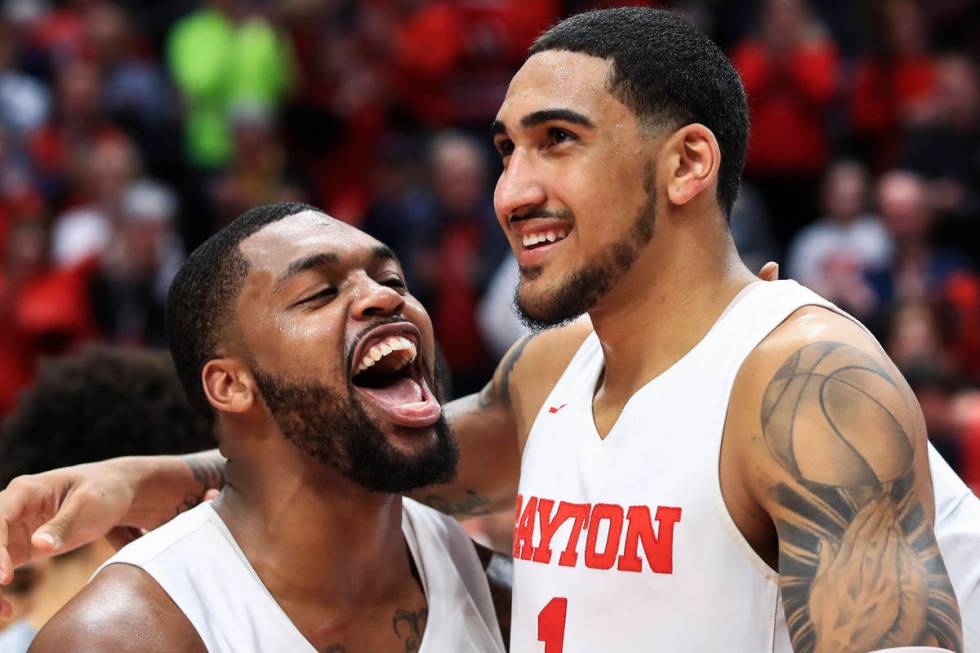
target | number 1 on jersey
x=551, y=625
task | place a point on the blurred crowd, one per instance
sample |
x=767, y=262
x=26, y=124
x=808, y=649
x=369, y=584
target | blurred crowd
x=130, y=131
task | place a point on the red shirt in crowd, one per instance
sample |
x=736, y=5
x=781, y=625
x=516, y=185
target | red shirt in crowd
x=789, y=95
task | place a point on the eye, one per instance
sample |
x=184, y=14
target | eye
x=394, y=282
x=505, y=147
x=322, y=296
x=557, y=136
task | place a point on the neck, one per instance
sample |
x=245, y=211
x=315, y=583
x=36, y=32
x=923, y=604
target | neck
x=312, y=536
x=665, y=304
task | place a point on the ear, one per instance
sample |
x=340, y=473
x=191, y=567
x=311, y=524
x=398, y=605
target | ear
x=694, y=157
x=228, y=385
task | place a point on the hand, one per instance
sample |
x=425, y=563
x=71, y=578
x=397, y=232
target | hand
x=872, y=590
x=57, y=511
x=769, y=271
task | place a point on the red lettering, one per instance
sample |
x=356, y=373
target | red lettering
x=614, y=515
x=659, y=548
x=579, y=512
x=517, y=521
x=542, y=552
x=524, y=532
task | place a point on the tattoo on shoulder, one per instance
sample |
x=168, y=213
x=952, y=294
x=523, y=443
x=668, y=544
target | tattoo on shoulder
x=409, y=626
x=490, y=392
x=859, y=565
x=471, y=505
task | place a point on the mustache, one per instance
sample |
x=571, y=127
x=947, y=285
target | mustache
x=561, y=214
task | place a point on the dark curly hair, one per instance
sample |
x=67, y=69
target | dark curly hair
x=200, y=302
x=100, y=403
x=668, y=73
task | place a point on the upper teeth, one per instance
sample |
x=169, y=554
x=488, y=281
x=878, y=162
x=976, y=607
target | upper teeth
x=540, y=237
x=384, y=348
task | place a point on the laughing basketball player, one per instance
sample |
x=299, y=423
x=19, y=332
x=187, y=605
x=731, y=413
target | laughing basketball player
x=711, y=463
x=296, y=334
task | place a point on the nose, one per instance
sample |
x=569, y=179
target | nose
x=519, y=189
x=375, y=300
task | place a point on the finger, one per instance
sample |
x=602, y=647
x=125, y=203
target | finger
x=211, y=494
x=769, y=271
x=6, y=564
x=52, y=536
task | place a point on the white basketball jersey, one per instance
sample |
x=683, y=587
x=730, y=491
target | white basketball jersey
x=195, y=559
x=625, y=544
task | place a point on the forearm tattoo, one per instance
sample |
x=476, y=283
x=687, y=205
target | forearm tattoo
x=859, y=565
x=208, y=468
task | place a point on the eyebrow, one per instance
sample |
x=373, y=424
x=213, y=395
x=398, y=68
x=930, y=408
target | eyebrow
x=378, y=253
x=302, y=265
x=545, y=115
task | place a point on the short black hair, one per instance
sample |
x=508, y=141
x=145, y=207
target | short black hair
x=100, y=403
x=668, y=73
x=201, y=296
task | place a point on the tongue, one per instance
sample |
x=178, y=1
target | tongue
x=403, y=391
x=406, y=402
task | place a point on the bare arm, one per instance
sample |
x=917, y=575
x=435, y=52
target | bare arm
x=122, y=609
x=57, y=511
x=845, y=479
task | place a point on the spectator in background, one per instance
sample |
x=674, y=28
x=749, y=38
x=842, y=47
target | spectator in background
x=220, y=56
x=76, y=125
x=462, y=250
x=832, y=255
x=259, y=171
x=790, y=75
x=129, y=289
x=946, y=150
x=893, y=87
x=81, y=409
x=917, y=272
x=135, y=94
x=98, y=180
x=43, y=310
x=24, y=101
x=451, y=62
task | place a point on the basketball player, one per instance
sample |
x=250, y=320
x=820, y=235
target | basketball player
x=296, y=331
x=708, y=464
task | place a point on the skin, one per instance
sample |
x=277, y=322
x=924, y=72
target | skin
x=678, y=286
x=347, y=583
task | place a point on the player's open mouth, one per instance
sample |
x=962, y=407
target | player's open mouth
x=388, y=373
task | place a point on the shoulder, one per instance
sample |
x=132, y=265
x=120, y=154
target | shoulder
x=818, y=397
x=121, y=609
x=533, y=366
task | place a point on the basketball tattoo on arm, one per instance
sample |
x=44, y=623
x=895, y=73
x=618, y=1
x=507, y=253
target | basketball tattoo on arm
x=859, y=565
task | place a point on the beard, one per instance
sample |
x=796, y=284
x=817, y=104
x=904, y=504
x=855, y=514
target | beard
x=585, y=286
x=336, y=430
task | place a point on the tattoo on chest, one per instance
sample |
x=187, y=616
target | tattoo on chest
x=859, y=565
x=409, y=626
